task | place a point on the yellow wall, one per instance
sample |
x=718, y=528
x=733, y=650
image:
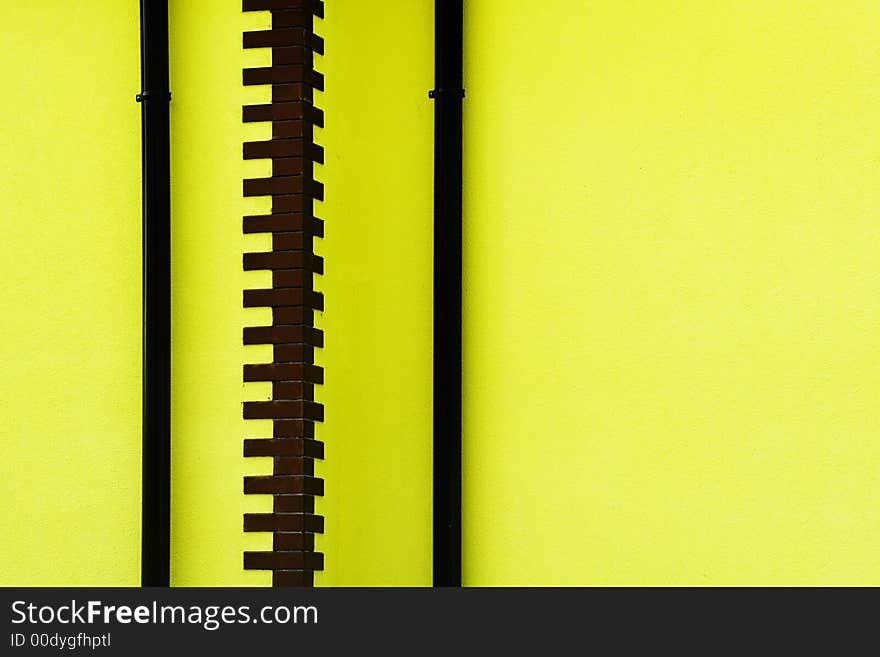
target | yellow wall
x=207, y=169
x=70, y=431
x=670, y=307
x=378, y=212
x=672, y=292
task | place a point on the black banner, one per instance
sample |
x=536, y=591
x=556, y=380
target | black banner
x=111, y=621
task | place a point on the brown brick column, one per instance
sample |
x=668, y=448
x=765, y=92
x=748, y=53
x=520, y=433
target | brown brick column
x=292, y=298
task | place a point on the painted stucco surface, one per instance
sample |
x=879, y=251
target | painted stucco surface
x=207, y=539
x=378, y=287
x=672, y=292
x=70, y=307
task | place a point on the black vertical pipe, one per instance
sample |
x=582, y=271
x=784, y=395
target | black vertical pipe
x=448, y=95
x=156, y=473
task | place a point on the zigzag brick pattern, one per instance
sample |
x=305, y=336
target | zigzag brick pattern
x=292, y=297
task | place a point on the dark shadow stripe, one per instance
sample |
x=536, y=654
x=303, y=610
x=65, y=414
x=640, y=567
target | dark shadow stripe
x=156, y=457
x=448, y=96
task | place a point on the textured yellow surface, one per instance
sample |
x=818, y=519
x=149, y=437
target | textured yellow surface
x=672, y=292
x=207, y=169
x=70, y=430
x=378, y=211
